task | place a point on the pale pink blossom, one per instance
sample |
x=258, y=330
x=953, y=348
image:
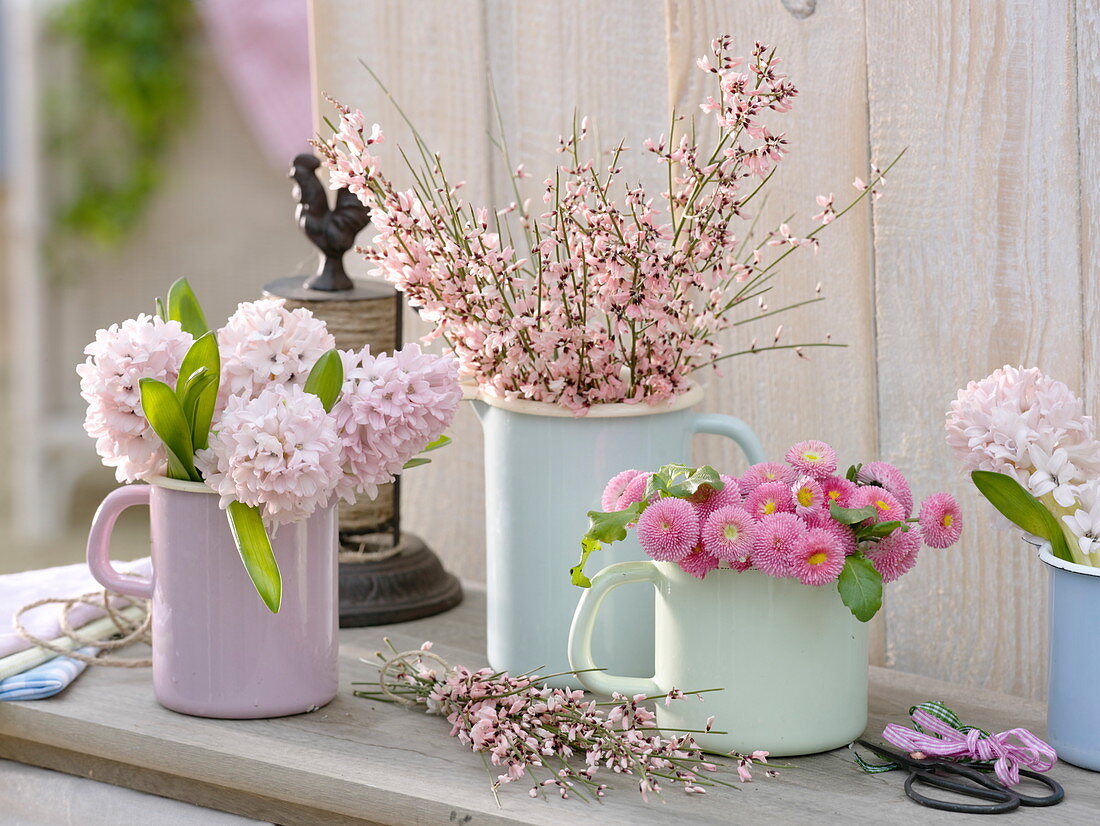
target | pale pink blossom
x=278, y=451
x=140, y=348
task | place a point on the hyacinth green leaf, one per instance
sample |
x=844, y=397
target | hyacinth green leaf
x=202, y=355
x=416, y=461
x=162, y=313
x=860, y=587
x=165, y=414
x=1021, y=508
x=195, y=412
x=851, y=516
x=184, y=307
x=436, y=444
x=254, y=546
x=326, y=379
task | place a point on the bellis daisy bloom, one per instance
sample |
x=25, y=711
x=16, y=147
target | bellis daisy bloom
x=889, y=477
x=809, y=498
x=940, y=520
x=838, y=491
x=887, y=507
x=279, y=451
x=122, y=355
x=263, y=344
x=391, y=406
x=894, y=555
x=769, y=498
x=778, y=537
x=818, y=559
x=842, y=533
x=729, y=533
x=699, y=563
x=707, y=499
x=812, y=457
x=668, y=529
x=763, y=472
x=633, y=492
x=609, y=501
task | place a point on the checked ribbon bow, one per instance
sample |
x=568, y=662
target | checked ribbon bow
x=938, y=732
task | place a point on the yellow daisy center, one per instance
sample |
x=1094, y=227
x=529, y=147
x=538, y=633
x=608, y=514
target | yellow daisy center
x=730, y=532
x=810, y=456
x=834, y=494
x=769, y=507
x=947, y=520
x=805, y=497
x=881, y=505
x=816, y=559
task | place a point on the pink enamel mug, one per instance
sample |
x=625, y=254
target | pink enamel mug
x=217, y=650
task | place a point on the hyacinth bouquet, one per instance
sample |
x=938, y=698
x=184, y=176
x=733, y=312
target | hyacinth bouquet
x=1033, y=453
x=608, y=293
x=265, y=411
x=797, y=519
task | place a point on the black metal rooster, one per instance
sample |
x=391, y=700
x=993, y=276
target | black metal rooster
x=332, y=231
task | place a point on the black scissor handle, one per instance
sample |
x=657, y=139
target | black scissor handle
x=1001, y=799
x=1057, y=793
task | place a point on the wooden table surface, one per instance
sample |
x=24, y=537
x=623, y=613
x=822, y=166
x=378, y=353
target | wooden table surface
x=357, y=761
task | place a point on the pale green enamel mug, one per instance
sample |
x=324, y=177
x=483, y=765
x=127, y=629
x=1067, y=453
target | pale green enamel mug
x=791, y=660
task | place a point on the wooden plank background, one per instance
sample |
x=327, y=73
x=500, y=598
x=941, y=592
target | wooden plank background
x=982, y=253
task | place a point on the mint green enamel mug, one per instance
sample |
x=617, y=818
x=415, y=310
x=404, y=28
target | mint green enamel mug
x=791, y=660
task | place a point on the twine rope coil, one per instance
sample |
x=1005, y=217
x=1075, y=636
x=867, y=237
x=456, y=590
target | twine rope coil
x=403, y=659
x=127, y=630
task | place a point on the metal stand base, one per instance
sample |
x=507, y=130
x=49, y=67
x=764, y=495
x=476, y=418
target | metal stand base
x=409, y=585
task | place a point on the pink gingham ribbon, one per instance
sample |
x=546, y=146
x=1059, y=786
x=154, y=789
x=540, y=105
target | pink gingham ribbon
x=1009, y=751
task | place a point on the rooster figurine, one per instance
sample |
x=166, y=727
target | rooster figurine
x=332, y=231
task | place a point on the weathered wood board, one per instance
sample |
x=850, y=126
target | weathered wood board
x=358, y=762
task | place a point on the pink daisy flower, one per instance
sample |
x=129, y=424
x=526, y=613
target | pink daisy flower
x=740, y=567
x=895, y=555
x=818, y=559
x=615, y=489
x=838, y=491
x=842, y=533
x=778, y=538
x=764, y=472
x=940, y=520
x=812, y=457
x=887, y=507
x=633, y=492
x=707, y=500
x=668, y=529
x=887, y=476
x=769, y=498
x=699, y=563
x=728, y=533
x=809, y=498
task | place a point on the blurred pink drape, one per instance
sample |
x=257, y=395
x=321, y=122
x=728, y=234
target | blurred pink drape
x=262, y=47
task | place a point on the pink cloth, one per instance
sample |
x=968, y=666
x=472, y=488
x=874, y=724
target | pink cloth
x=17, y=590
x=262, y=47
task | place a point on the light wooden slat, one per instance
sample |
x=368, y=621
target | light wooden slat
x=431, y=55
x=1088, y=140
x=977, y=265
x=784, y=398
x=356, y=761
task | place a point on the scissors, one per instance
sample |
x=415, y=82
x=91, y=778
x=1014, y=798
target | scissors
x=964, y=779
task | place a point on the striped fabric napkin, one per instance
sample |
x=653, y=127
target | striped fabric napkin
x=44, y=680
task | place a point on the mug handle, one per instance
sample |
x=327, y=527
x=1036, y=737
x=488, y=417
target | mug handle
x=99, y=541
x=721, y=425
x=584, y=622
